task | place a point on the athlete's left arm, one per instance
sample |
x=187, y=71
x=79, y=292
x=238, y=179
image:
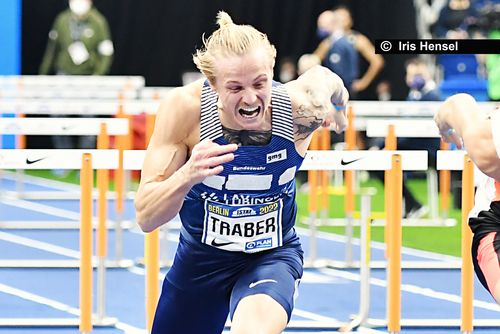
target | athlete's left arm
x=318, y=98
x=460, y=119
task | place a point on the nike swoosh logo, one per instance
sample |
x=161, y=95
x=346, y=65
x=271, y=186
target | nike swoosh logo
x=254, y=284
x=220, y=244
x=343, y=162
x=29, y=162
x=68, y=127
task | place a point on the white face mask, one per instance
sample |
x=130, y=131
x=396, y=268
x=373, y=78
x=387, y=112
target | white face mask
x=80, y=7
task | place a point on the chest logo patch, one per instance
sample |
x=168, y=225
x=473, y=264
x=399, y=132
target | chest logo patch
x=276, y=156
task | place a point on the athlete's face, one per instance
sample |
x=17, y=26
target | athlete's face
x=244, y=86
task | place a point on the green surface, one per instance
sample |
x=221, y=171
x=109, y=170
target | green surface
x=444, y=240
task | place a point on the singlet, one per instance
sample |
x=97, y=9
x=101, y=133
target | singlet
x=343, y=59
x=486, y=211
x=250, y=205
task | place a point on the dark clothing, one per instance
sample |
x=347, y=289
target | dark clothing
x=487, y=222
x=343, y=58
x=78, y=46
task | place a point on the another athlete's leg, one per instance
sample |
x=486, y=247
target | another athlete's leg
x=489, y=263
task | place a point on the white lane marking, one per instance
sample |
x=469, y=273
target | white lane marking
x=42, y=208
x=379, y=245
x=28, y=242
x=314, y=278
x=60, y=306
x=414, y=289
x=312, y=316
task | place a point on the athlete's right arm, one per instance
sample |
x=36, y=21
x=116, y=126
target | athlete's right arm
x=460, y=119
x=171, y=167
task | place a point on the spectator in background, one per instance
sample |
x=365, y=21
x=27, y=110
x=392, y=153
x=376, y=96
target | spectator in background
x=419, y=80
x=287, y=70
x=426, y=14
x=454, y=19
x=79, y=44
x=422, y=88
x=340, y=48
x=488, y=22
x=384, y=91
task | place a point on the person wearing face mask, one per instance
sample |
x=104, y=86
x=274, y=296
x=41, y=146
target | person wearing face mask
x=341, y=46
x=223, y=155
x=419, y=80
x=287, y=70
x=79, y=44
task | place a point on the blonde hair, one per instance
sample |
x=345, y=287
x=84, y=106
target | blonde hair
x=230, y=39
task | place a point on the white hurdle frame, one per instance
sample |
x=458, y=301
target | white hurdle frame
x=49, y=159
x=62, y=159
x=61, y=127
x=445, y=160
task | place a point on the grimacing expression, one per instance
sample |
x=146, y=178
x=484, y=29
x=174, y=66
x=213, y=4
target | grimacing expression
x=244, y=86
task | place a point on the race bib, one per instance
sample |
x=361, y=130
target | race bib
x=244, y=228
x=78, y=53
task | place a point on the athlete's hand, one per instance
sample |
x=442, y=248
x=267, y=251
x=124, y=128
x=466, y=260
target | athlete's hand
x=206, y=160
x=448, y=134
x=339, y=100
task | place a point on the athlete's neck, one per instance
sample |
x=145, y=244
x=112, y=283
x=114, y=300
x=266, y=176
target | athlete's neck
x=247, y=137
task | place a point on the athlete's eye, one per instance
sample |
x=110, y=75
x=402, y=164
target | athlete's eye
x=235, y=88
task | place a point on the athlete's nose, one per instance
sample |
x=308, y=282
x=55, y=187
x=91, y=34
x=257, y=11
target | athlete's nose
x=249, y=97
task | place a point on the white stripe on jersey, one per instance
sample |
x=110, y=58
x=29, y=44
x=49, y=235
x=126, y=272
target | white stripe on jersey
x=248, y=182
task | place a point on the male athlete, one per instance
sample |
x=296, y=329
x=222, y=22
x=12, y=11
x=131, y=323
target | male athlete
x=223, y=156
x=461, y=122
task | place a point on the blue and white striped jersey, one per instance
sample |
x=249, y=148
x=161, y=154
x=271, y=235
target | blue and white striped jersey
x=249, y=206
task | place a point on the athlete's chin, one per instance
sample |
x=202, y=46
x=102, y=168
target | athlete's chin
x=254, y=123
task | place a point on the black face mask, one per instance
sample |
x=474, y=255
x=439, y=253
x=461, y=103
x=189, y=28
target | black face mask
x=247, y=137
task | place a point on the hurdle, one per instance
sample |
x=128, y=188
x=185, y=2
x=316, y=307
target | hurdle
x=48, y=159
x=87, y=161
x=57, y=126
x=417, y=128
x=362, y=160
x=61, y=127
x=328, y=160
x=313, y=162
x=69, y=86
x=446, y=160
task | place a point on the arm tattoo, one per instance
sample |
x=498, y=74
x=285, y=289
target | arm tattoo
x=305, y=123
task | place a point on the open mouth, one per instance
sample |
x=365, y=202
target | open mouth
x=249, y=112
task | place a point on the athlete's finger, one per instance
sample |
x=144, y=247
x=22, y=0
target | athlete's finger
x=217, y=160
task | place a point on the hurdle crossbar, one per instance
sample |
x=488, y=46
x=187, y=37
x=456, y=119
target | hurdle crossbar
x=62, y=159
x=66, y=81
x=69, y=159
x=76, y=106
x=48, y=126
